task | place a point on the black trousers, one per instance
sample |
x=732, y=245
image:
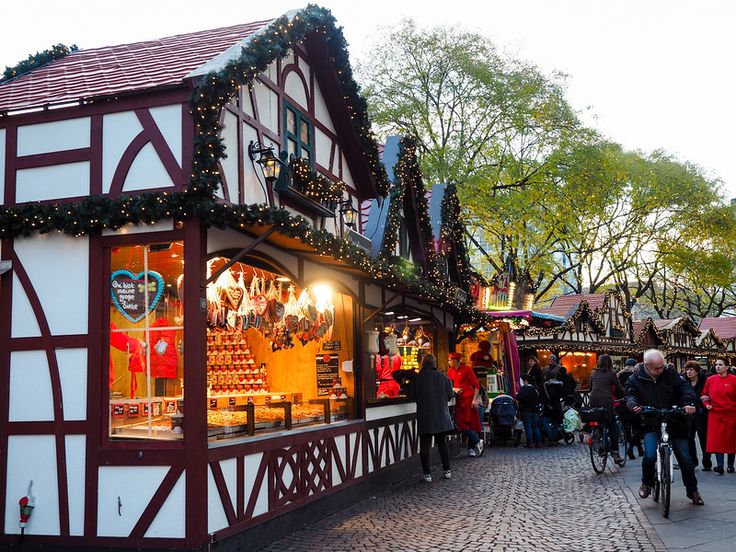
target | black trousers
x=699, y=428
x=425, y=447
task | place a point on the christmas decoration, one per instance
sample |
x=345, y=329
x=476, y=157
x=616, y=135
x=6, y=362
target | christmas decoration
x=38, y=59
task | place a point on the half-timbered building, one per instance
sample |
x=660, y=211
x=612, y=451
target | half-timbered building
x=184, y=360
x=725, y=329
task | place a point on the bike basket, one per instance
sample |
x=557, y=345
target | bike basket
x=588, y=415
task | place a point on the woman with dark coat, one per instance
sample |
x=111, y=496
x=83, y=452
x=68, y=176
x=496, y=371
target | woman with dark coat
x=432, y=390
x=604, y=383
x=695, y=376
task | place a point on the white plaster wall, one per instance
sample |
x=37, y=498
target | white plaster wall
x=294, y=87
x=254, y=186
x=170, y=522
x=230, y=163
x=147, y=171
x=75, y=464
x=322, y=149
x=73, y=373
x=314, y=272
x=23, y=321
x=64, y=289
x=389, y=411
x=118, y=130
x=268, y=106
x=216, y=518
x=168, y=120
x=31, y=399
x=53, y=182
x=245, y=104
x=229, y=469
x=32, y=458
x=2, y=166
x=340, y=446
x=288, y=59
x=359, y=466
x=321, y=112
x=161, y=226
x=55, y=136
x=271, y=73
x=347, y=177
x=373, y=296
x=306, y=69
x=135, y=487
x=251, y=465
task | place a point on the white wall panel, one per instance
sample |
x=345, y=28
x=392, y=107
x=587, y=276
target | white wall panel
x=23, y=322
x=55, y=136
x=75, y=464
x=245, y=104
x=31, y=399
x=359, y=466
x=255, y=188
x=54, y=182
x=32, y=458
x=229, y=469
x=340, y=446
x=118, y=130
x=252, y=464
x=73, y=374
x=2, y=166
x=216, y=518
x=168, y=121
x=230, y=163
x=64, y=289
x=135, y=487
x=323, y=149
x=320, y=108
x=389, y=411
x=170, y=522
x=268, y=106
x=161, y=226
x=314, y=272
x=294, y=87
x=147, y=171
x=306, y=69
x=346, y=176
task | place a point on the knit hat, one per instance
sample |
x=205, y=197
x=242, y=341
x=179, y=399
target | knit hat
x=553, y=358
x=630, y=362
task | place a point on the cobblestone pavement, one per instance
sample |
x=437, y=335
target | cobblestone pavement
x=508, y=500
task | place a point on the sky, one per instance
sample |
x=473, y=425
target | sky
x=648, y=74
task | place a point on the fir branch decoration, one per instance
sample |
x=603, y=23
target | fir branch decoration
x=38, y=59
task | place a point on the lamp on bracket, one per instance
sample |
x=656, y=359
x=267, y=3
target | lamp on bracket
x=349, y=213
x=270, y=164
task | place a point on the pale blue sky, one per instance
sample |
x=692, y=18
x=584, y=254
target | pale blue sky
x=655, y=73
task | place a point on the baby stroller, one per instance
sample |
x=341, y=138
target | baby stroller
x=502, y=421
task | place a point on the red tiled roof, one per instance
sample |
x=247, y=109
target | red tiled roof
x=725, y=327
x=595, y=300
x=118, y=69
x=561, y=310
x=637, y=326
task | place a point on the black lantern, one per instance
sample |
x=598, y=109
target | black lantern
x=349, y=213
x=270, y=164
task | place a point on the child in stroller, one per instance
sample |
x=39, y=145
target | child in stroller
x=503, y=423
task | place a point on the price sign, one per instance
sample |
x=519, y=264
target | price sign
x=170, y=407
x=118, y=410
x=213, y=404
x=327, y=373
x=134, y=410
x=332, y=346
x=231, y=401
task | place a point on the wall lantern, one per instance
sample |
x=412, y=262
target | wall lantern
x=270, y=164
x=349, y=213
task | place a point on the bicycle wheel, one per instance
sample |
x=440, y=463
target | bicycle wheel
x=623, y=443
x=666, y=481
x=598, y=452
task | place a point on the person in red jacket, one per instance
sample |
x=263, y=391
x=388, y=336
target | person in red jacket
x=719, y=398
x=386, y=365
x=467, y=390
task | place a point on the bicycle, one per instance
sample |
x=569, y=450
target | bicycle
x=599, y=441
x=665, y=463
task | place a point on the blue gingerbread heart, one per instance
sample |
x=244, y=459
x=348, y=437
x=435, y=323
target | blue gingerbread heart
x=128, y=296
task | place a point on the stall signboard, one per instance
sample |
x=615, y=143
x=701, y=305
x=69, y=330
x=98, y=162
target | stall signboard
x=129, y=292
x=327, y=373
x=332, y=346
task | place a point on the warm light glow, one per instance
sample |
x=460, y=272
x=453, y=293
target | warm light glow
x=388, y=313
x=322, y=296
x=414, y=319
x=283, y=279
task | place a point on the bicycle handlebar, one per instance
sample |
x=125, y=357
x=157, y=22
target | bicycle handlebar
x=663, y=412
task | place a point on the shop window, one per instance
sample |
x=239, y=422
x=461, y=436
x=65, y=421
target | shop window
x=298, y=133
x=146, y=341
x=278, y=357
x=400, y=342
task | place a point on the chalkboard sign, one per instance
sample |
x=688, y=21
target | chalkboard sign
x=128, y=292
x=332, y=346
x=327, y=373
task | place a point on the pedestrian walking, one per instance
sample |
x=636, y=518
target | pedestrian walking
x=432, y=390
x=653, y=385
x=529, y=405
x=719, y=397
x=631, y=422
x=467, y=391
x=604, y=388
x=696, y=377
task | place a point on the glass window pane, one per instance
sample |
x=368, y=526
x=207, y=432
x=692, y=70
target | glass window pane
x=146, y=373
x=292, y=148
x=291, y=121
x=304, y=132
x=306, y=154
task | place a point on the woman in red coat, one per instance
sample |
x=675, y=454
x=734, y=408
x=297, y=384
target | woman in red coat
x=467, y=388
x=719, y=397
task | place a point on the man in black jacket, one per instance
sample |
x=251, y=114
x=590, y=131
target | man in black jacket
x=654, y=385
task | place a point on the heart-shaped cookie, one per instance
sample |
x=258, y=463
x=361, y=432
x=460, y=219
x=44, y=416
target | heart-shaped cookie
x=129, y=296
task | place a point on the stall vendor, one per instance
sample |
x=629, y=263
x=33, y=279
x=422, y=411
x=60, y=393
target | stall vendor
x=386, y=365
x=467, y=390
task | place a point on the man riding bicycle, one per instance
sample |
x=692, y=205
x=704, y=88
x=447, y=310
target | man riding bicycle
x=657, y=386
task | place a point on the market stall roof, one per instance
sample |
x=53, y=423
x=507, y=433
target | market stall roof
x=724, y=327
x=125, y=68
x=565, y=305
x=527, y=314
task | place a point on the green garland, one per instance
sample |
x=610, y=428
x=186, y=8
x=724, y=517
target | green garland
x=38, y=59
x=452, y=232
